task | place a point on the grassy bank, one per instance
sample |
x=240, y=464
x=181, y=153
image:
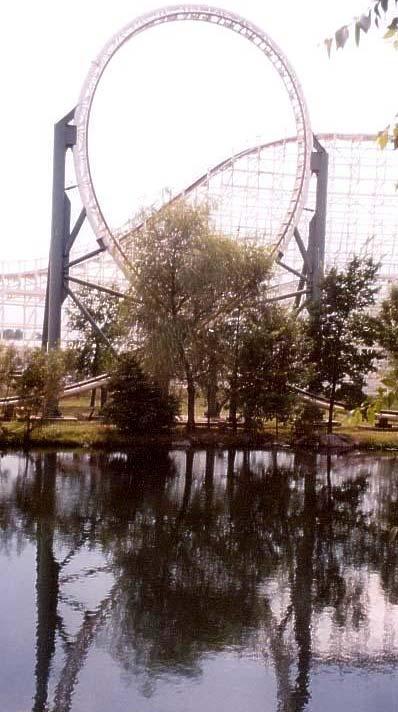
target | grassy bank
x=97, y=435
x=370, y=439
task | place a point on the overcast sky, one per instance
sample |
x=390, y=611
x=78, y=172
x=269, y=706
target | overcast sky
x=171, y=104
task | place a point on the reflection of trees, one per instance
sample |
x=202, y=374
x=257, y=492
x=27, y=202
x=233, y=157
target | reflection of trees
x=198, y=568
x=187, y=586
x=40, y=509
x=193, y=585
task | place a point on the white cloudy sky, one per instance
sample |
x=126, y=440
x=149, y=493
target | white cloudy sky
x=171, y=104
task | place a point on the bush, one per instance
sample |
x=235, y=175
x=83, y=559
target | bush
x=136, y=404
x=308, y=417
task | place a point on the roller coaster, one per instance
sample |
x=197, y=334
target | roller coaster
x=361, y=219
x=288, y=194
x=314, y=201
x=88, y=384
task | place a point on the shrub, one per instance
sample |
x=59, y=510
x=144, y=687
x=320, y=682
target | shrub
x=136, y=404
x=308, y=417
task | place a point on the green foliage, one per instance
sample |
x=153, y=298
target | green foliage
x=269, y=363
x=371, y=412
x=41, y=383
x=187, y=281
x=9, y=362
x=379, y=10
x=375, y=13
x=355, y=417
x=41, y=379
x=136, y=404
x=351, y=394
x=308, y=415
x=341, y=333
x=92, y=354
x=388, y=390
x=388, y=332
x=388, y=340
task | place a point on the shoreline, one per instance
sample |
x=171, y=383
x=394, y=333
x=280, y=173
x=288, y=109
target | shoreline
x=96, y=435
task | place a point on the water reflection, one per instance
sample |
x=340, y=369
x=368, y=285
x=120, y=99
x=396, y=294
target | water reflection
x=178, y=565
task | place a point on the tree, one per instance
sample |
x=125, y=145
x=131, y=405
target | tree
x=388, y=340
x=269, y=363
x=40, y=384
x=186, y=281
x=388, y=335
x=342, y=334
x=136, y=404
x=93, y=354
x=9, y=362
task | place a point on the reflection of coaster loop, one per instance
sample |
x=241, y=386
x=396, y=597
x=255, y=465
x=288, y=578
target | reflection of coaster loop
x=237, y=24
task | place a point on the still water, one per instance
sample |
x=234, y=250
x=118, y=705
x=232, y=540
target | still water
x=198, y=582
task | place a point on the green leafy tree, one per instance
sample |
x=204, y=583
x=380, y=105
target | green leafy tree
x=388, y=339
x=41, y=384
x=136, y=404
x=213, y=362
x=9, y=362
x=94, y=354
x=187, y=279
x=269, y=364
x=388, y=335
x=341, y=332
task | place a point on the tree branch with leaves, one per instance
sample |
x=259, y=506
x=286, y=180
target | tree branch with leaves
x=187, y=280
x=342, y=334
x=379, y=12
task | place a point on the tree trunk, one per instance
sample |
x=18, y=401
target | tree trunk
x=191, y=404
x=331, y=407
x=233, y=408
x=213, y=407
x=104, y=396
x=27, y=430
x=233, y=401
x=92, y=400
x=248, y=420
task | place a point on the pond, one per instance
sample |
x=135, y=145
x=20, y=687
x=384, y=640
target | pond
x=198, y=581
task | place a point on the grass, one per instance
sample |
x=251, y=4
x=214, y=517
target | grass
x=370, y=439
x=88, y=434
x=76, y=406
x=68, y=434
x=96, y=434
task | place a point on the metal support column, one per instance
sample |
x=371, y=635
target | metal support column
x=317, y=228
x=64, y=138
x=313, y=254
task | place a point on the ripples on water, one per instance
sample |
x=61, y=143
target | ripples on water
x=198, y=582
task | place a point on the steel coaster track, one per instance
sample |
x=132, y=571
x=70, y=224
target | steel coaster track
x=25, y=288
x=230, y=21
x=88, y=384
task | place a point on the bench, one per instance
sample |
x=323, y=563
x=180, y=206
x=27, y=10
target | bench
x=385, y=419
